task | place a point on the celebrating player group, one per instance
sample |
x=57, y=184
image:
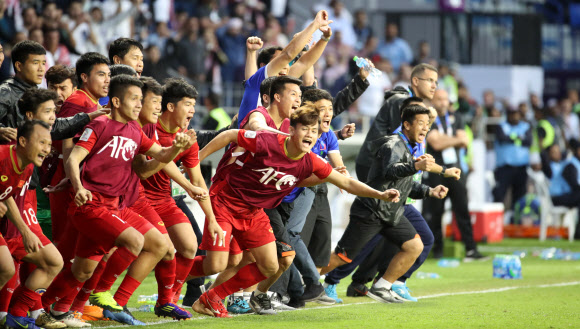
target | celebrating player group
x=103, y=146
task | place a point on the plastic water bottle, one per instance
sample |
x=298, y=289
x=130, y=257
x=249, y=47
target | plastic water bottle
x=147, y=299
x=374, y=72
x=507, y=267
x=424, y=275
x=146, y=308
x=448, y=262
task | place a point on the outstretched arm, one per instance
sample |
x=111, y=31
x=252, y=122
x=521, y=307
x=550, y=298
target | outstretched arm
x=361, y=189
x=222, y=140
x=307, y=60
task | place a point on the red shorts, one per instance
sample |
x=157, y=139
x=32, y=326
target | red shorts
x=99, y=224
x=143, y=208
x=16, y=246
x=250, y=226
x=170, y=212
x=59, y=204
x=137, y=221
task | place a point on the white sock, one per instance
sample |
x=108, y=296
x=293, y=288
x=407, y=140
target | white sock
x=325, y=285
x=247, y=295
x=382, y=283
x=36, y=313
x=401, y=283
x=258, y=292
x=3, y=315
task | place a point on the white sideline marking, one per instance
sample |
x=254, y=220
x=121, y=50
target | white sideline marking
x=487, y=291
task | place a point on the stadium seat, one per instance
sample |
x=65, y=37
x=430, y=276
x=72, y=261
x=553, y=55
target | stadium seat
x=552, y=215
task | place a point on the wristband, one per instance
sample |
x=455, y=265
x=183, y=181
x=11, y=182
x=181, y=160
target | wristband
x=340, y=135
x=324, y=38
x=443, y=168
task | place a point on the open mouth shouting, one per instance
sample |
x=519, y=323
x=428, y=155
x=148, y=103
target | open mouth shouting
x=307, y=143
x=325, y=124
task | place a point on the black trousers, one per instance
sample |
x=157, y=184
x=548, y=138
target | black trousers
x=506, y=176
x=433, y=210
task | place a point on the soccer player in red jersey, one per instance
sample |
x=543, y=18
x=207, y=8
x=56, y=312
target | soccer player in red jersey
x=93, y=74
x=33, y=145
x=63, y=81
x=113, y=141
x=178, y=106
x=278, y=164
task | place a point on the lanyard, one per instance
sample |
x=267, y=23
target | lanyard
x=412, y=149
x=447, y=123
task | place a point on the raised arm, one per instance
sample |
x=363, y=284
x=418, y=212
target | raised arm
x=253, y=44
x=297, y=44
x=307, y=60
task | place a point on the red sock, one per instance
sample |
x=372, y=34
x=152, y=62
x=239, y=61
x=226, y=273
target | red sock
x=81, y=299
x=197, y=267
x=246, y=277
x=23, y=301
x=182, y=269
x=126, y=289
x=118, y=262
x=64, y=284
x=8, y=290
x=165, y=275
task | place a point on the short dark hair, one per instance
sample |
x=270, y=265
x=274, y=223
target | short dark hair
x=86, y=63
x=59, y=73
x=411, y=111
x=23, y=49
x=266, y=85
x=314, y=95
x=118, y=69
x=306, y=115
x=122, y=46
x=33, y=97
x=419, y=69
x=408, y=101
x=174, y=90
x=279, y=84
x=151, y=85
x=120, y=84
x=26, y=128
x=265, y=55
x=213, y=98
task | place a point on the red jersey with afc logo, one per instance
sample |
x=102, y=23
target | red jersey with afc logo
x=158, y=186
x=112, y=145
x=224, y=166
x=270, y=174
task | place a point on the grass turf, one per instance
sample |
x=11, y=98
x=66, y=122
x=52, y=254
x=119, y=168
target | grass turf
x=464, y=297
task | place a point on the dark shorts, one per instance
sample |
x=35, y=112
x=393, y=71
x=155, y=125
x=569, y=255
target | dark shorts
x=364, y=225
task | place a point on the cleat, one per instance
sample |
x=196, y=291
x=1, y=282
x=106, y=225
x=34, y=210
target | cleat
x=105, y=300
x=296, y=303
x=122, y=317
x=261, y=304
x=278, y=305
x=384, y=295
x=93, y=313
x=312, y=292
x=217, y=309
x=473, y=255
x=403, y=292
x=19, y=322
x=356, y=290
x=331, y=292
x=72, y=320
x=238, y=306
x=47, y=321
x=171, y=310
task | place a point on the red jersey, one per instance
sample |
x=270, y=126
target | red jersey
x=158, y=186
x=14, y=182
x=224, y=167
x=12, y=177
x=269, y=175
x=79, y=101
x=112, y=145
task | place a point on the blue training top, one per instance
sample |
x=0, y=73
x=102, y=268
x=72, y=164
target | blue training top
x=251, y=93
